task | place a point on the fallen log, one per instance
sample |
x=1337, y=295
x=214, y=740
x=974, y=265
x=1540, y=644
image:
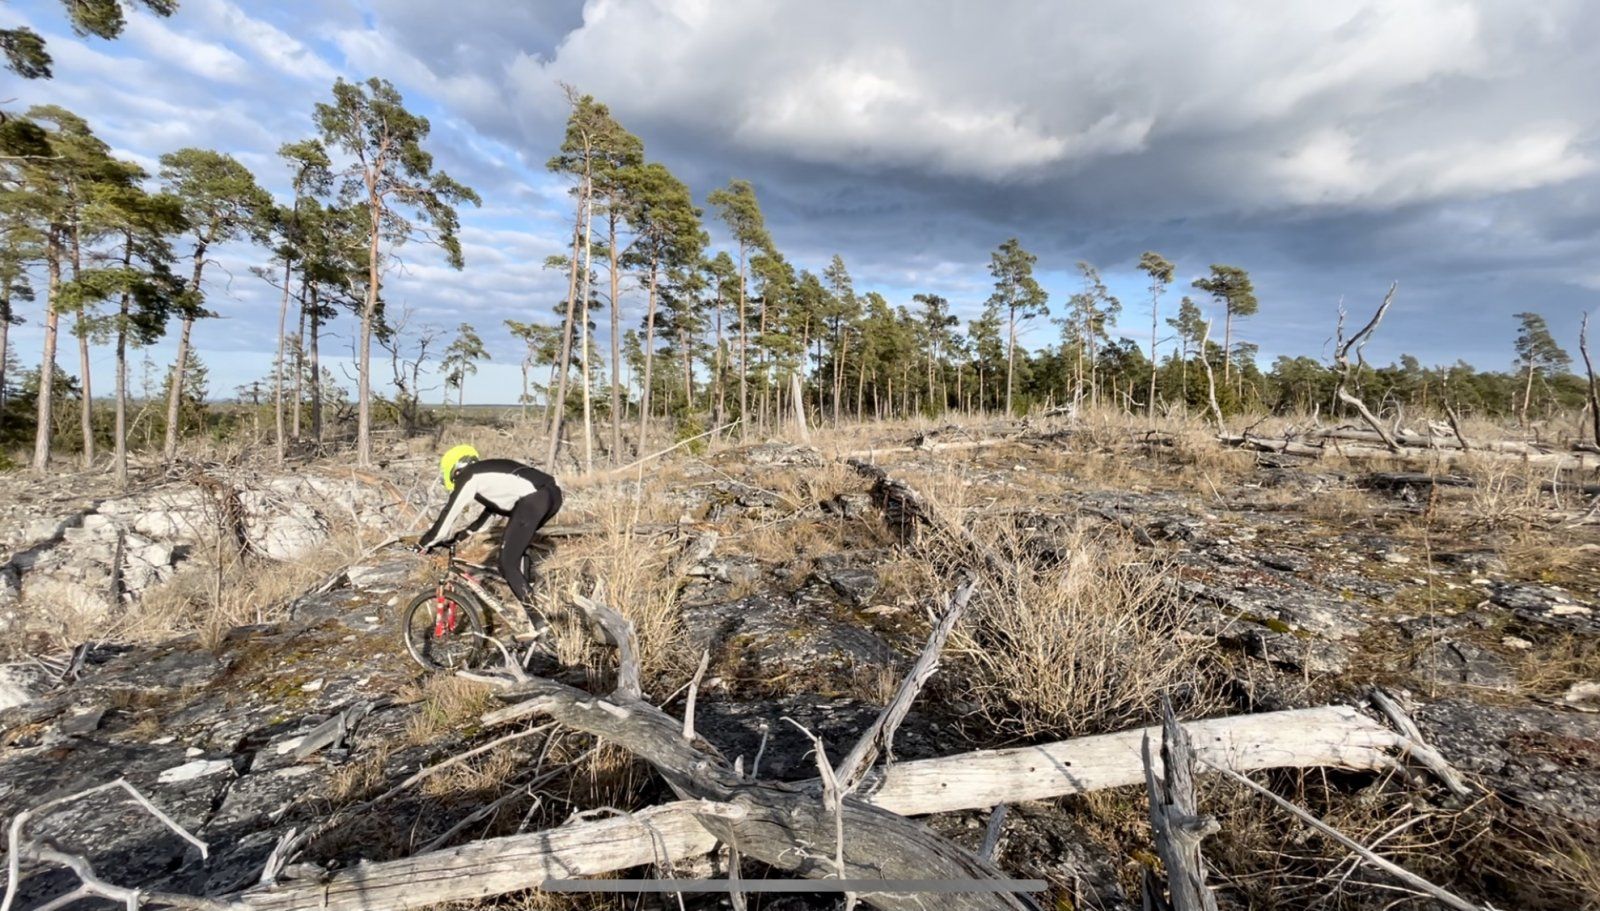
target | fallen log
x=496, y=866
x=1418, y=441
x=927, y=447
x=1335, y=736
x=1573, y=461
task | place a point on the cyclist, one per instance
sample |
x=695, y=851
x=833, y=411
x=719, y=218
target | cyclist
x=525, y=495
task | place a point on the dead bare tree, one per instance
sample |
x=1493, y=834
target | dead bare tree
x=1588, y=368
x=1211, y=380
x=1349, y=372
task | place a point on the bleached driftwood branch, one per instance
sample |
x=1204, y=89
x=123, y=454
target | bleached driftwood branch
x=1175, y=819
x=1334, y=736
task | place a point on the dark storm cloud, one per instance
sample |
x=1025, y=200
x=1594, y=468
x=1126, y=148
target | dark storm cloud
x=1329, y=147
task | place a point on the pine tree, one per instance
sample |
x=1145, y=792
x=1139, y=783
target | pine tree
x=1537, y=355
x=390, y=173
x=742, y=214
x=221, y=202
x=1161, y=273
x=1018, y=295
x=1229, y=286
x=461, y=360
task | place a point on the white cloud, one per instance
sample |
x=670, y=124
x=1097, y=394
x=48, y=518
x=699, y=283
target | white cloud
x=1330, y=168
x=1004, y=91
x=203, y=58
x=265, y=41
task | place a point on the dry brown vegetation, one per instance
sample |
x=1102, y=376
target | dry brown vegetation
x=1085, y=636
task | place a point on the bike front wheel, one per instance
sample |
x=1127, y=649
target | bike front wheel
x=444, y=631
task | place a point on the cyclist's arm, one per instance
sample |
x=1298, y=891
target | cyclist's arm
x=478, y=523
x=459, y=498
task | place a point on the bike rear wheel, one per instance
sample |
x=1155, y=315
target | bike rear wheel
x=444, y=632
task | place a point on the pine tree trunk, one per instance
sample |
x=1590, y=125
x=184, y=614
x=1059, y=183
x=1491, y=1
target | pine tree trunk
x=616, y=343
x=1150, y=406
x=1011, y=352
x=560, y=404
x=47, y=367
x=744, y=372
x=525, y=396
x=5, y=342
x=120, y=431
x=299, y=362
x=1527, y=396
x=368, y=312
x=688, y=369
x=649, y=361
x=81, y=329
x=1227, y=346
x=761, y=365
x=583, y=324
x=169, y=445
x=721, y=412
x=316, y=367
x=86, y=394
x=277, y=380
x=861, y=385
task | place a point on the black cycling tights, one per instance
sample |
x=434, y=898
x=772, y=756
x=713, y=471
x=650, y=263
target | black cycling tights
x=527, y=517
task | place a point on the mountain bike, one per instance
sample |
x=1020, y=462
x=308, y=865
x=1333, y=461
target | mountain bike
x=450, y=626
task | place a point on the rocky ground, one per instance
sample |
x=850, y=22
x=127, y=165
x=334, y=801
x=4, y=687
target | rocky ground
x=1289, y=583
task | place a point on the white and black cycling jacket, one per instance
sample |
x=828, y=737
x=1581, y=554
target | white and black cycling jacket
x=496, y=484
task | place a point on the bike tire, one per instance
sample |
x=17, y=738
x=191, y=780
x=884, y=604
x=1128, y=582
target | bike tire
x=449, y=643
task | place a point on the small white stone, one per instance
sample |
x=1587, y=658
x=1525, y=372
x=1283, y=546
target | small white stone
x=1516, y=642
x=189, y=771
x=192, y=752
x=312, y=687
x=1565, y=610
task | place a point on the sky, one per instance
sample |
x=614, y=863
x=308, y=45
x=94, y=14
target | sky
x=1329, y=147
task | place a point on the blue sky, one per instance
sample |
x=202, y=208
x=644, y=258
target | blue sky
x=1328, y=147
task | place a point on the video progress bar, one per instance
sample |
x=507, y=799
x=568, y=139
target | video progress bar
x=795, y=885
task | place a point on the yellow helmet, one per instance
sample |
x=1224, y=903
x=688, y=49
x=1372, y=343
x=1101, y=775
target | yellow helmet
x=453, y=459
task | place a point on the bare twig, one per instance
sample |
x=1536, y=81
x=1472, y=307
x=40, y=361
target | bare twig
x=694, y=690
x=880, y=736
x=17, y=846
x=1382, y=863
x=833, y=801
x=1416, y=746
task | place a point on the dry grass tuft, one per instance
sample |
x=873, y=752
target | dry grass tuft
x=634, y=571
x=447, y=703
x=1083, y=647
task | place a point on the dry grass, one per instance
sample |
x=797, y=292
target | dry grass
x=1552, y=669
x=360, y=778
x=201, y=597
x=448, y=703
x=633, y=569
x=1084, y=647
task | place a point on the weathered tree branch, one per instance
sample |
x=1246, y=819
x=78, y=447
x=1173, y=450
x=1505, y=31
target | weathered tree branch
x=880, y=736
x=1348, y=371
x=1175, y=818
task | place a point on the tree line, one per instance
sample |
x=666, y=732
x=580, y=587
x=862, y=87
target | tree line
x=743, y=337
